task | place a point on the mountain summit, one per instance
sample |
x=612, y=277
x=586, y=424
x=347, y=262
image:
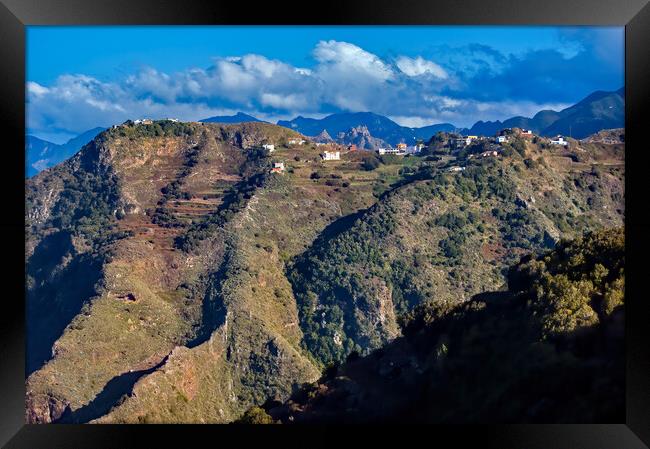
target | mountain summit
x=239, y=117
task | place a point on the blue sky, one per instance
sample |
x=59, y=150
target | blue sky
x=82, y=77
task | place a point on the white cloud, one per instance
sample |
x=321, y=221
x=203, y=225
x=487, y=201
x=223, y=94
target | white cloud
x=420, y=66
x=414, y=91
x=349, y=59
x=290, y=102
x=36, y=89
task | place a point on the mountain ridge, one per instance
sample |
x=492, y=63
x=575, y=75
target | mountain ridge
x=41, y=154
x=239, y=117
x=586, y=117
x=598, y=110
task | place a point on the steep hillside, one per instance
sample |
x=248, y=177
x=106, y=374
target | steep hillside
x=164, y=212
x=548, y=349
x=121, y=203
x=172, y=277
x=41, y=154
x=445, y=237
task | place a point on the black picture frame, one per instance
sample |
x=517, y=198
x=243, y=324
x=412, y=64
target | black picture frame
x=633, y=14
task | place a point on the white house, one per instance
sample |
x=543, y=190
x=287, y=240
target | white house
x=414, y=149
x=143, y=121
x=175, y=120
x=331, y=155
x=390, y=151
x=296, y=141
x=502, y=139
x=455, y=169
x=559, y=140
x=269, y=147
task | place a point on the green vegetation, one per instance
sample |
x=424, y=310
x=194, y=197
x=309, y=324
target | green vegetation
x=255, y=415
x=559, y=327
x=159, y=128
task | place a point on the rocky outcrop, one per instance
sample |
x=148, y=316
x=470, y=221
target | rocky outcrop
x=360, y=136
x=323, y=137
x=43, y=408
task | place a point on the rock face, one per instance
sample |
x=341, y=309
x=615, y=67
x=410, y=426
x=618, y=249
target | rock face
x=43, y=408
x=323, y=137
x=360, y=136
x=171, y=277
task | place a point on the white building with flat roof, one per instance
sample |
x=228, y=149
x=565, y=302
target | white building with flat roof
x=331, y=155
x=559, y=140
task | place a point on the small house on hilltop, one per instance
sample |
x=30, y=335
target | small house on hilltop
x=352, y=147
x=278, y=167
x=559, y=140
x=296, y=141
x=269, y=147
x=331, y=155
x=502, y=139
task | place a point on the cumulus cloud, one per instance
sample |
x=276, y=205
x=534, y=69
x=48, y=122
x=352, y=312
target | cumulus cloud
x=420, y=66
x=462, y=85
x=350, y=60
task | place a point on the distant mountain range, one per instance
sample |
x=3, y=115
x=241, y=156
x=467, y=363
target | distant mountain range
x=600, y=110
x=239, y=117
x=378, y=126
x=41, y=154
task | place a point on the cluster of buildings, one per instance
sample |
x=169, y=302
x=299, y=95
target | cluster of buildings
x=502, y=136
x=143, y=121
